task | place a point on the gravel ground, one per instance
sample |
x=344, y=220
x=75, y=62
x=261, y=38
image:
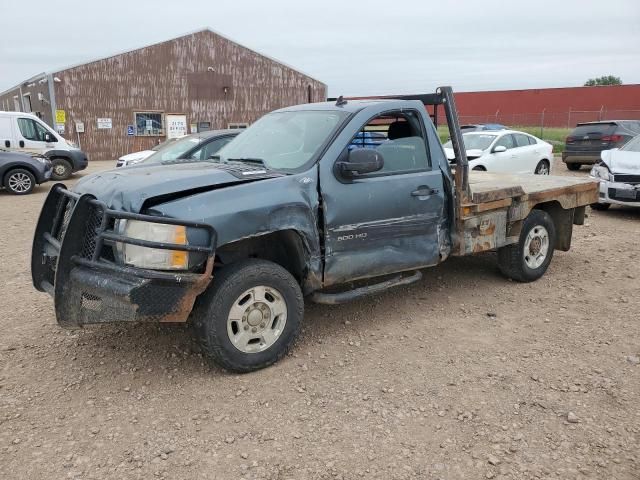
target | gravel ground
x=463, y=375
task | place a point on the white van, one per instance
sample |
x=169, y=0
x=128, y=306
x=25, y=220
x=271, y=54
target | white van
x=24, y=132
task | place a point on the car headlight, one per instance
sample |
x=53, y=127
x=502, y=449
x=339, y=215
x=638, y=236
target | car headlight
x=152, y=258
x=42, y=160
x=601, y=172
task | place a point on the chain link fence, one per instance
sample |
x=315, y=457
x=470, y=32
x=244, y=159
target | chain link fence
x=545, y=118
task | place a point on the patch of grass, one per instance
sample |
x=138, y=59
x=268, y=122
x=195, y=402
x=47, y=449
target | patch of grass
x=555, y=136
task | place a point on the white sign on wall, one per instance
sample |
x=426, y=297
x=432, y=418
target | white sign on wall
x=80, y=127
x=104, y=123
x=176, y=126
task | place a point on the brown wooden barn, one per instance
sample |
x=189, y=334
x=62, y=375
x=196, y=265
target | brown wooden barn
x=133, y=100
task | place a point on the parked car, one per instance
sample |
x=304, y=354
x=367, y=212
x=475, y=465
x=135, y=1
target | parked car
x=197, y=146
x=481, y=127
x=506, y=151
x=137, y=157
x=26, y=133
x=587, y=140
x=618, y=173
x=21, y=172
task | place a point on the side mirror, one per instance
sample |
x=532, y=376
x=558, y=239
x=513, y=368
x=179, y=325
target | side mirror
x=49, y=138
x=360, y=161
x=500, y=149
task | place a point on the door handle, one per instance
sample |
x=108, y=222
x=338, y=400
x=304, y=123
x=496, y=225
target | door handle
x=7, y=143
x=21, y=143
x=424, y=192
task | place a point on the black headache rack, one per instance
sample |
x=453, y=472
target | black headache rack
x=74, y=260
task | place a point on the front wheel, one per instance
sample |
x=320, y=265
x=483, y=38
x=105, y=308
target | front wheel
x=61, y=169
x=250, y=315
x=542, y=168
x=529, y=259
x=600, y=206
x=19, y=181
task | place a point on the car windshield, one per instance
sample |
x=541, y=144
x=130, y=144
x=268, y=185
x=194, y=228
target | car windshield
x=173, y=150
x=283, y=140
x=633, y=145
x=165, y=144
x=474, y=141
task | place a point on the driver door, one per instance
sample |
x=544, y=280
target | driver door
x=31, y=136
x=386, y=221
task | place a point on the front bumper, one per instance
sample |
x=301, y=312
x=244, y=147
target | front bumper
x=72, y=259
x=617, y=193
x=78, y=159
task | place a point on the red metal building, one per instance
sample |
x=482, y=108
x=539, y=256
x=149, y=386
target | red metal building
x=553, y=107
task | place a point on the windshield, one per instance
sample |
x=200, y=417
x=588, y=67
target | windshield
x=475, y=141
x=633, y=145
x=173, y=150
x=283, y=140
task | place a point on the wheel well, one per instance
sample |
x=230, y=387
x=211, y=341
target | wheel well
x=480, y=168
x=60, y=157
x=562, y=221
x=20, y=167
x=284, y=247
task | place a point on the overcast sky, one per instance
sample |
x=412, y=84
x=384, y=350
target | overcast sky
x=356, y=48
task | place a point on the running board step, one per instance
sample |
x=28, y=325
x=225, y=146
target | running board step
x=343, y=297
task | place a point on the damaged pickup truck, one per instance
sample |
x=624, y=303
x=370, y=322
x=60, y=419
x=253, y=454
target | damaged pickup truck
x=298, y=205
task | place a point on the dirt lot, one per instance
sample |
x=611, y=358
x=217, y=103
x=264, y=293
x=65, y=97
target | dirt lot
x=462, y=376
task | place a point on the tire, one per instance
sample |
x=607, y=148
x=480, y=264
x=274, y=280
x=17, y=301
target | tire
x=19, y=181
x=574, y=167
x=512, y=260
x=600, y=206
x=543, y=168
x=248, y=342
x=479, y=168
x=61, y=169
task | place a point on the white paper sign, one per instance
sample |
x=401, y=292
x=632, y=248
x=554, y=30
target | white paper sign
x=176, y=126
x=80, y=127
x=104, y=123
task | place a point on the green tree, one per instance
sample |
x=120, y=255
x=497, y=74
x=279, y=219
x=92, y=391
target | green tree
x=604, y=80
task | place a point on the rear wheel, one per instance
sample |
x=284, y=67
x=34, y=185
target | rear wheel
x=542, y=168
x=19, y=181
x=574, y=166
x=529, y=259
x=600, y=206
x=250, y=316
x=61, y=169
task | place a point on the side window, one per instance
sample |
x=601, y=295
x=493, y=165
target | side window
x=29, y=129
x=506, y=141
x=522, y=140
x=532, y=141
x=399, y=137
x=211, y=148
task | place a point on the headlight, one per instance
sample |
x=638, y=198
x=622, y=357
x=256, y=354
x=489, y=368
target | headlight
x=152, y=258
x=42, y=160
x=601, y=172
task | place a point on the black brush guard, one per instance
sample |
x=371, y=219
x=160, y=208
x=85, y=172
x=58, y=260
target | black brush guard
x=73, y=260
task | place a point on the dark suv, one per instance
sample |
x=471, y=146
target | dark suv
x=587, y=140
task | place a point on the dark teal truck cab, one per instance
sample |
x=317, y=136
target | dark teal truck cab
x=291, y=210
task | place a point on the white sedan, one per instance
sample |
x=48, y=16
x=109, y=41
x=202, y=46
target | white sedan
x=506, y=151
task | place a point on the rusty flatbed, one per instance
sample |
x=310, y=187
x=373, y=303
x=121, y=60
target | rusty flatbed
x=491, y=215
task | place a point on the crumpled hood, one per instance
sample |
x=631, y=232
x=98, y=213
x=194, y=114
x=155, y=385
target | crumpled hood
x=471, y=154
x=620, y=161
x=128, y=189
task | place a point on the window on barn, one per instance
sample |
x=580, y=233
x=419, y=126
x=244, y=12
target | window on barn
x=149, y=124
x=235, y=126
